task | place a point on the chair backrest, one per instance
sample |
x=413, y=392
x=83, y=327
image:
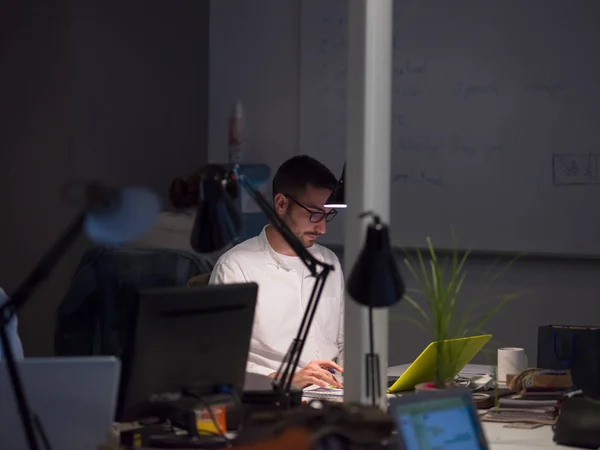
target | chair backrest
x=96, y=314
x=200, y=280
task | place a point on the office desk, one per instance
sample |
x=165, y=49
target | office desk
x=501, y=438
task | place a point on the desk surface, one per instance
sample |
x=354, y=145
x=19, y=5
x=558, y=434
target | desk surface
x=501, y=438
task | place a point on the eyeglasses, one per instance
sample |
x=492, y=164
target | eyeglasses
x=315, y=216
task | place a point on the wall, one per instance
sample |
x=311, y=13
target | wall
x=254, y=56
x=107, y=90
x=35, y=154
x=551, y=292
x=140, y=86
x=470, y=114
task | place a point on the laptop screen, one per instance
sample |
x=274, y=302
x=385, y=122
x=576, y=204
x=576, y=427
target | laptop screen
x=447, y=423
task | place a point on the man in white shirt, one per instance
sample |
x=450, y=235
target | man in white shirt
x=301, y=187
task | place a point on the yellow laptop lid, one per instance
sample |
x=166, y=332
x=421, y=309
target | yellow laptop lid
x=422, y=370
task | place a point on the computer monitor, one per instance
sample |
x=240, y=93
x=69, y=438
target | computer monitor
x=438, y=419
x=187, y=338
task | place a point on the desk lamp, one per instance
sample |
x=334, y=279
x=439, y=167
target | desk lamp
x=218, y=222
x=375, y=282
x=109, y=217
x=337, y=199
x=282, y=394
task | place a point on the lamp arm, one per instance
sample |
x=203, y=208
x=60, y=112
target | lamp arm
x=318, y=269
x=16, y=301
x=43, y=268
x=292, y=360
x=312, y=264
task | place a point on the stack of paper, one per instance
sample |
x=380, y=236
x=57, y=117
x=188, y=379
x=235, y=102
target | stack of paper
x=321, y=393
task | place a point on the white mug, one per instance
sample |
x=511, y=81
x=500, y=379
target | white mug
x=511, y=361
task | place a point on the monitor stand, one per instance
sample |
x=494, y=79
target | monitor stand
x=180, y=411
x=258, y=396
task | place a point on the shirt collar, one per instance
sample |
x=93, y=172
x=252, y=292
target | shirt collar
x=277, y=260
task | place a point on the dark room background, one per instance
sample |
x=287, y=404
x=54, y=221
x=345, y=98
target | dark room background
x=106, y=90
x=119, y=92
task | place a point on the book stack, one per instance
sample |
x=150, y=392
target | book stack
x=530, y=406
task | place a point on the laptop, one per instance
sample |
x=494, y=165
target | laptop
x=73, y=397
x=438, y=419
x=423, y=369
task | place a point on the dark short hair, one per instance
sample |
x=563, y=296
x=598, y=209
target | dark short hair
x=295, y=174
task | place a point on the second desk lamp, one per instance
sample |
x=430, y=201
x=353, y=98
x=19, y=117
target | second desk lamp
x=337, y=199
x=374, y=281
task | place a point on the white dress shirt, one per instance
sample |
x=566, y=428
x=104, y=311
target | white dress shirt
x=284, y=288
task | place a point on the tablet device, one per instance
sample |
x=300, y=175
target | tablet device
x=438, y=420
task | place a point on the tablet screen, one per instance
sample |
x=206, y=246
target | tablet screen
x=447, y=423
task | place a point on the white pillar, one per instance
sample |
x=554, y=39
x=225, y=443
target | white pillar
x=368, y=162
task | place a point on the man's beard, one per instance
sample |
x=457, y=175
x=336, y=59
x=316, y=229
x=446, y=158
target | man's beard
x=300, y=235
x=311, y=242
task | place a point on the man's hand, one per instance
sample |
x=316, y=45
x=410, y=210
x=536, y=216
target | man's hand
x=316, y=373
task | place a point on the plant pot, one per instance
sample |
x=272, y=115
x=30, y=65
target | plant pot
x=431, y=386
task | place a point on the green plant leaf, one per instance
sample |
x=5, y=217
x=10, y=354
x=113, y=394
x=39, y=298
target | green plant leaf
x=424, y=271
x=440, y=282
x=493, y=278
x=485, y=317
x=417, y=307
x=415, y=322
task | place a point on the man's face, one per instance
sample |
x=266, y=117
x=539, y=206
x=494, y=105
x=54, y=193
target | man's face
x=302, y=212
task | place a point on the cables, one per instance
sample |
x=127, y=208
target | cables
x=201, y=399
x=463, y=382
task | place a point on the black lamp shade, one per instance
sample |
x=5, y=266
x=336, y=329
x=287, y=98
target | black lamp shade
x=218, y=221
x=337, y=199
x=375, y=280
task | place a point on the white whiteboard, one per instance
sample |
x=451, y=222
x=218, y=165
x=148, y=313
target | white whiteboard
x=496, y=119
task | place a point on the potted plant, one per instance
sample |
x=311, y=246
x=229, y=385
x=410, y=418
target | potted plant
x=441, y=310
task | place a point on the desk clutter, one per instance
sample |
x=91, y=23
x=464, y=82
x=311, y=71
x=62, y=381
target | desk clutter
x=576, y=348
x=523, y=399
x=217, y=419
x=221, y=411
x=533, y=398
x=537, y=397
x=364, y=427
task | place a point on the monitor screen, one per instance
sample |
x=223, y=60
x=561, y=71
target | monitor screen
x=448, y=423
x=186, y=339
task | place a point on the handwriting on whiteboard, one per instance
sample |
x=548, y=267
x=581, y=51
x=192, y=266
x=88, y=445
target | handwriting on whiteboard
x=419, y=177
x=453, y=146
x=575, y=169
x=411, y=67
x=551, y=89
x=467, y=90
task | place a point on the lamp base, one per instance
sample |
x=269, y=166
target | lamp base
x=257, y=404
x=272, y=398
x=372, y=367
